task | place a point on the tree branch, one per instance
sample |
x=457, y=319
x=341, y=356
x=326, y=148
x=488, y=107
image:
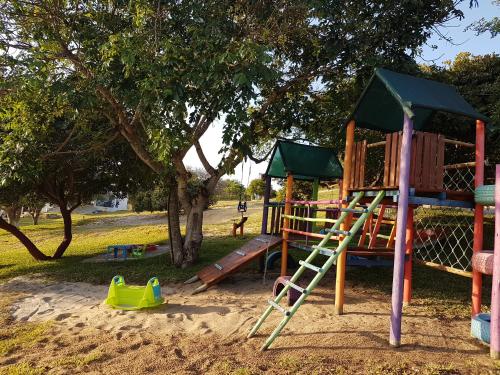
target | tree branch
x=211, y=170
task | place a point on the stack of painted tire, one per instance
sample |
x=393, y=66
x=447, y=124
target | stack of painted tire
x=485, y=195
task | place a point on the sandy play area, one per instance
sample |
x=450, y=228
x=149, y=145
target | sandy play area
x=206, y=333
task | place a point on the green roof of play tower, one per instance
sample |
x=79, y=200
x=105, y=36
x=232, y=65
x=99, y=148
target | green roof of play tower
x=305, y=162
x=390, y=94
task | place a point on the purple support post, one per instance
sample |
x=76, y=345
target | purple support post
x=265, y=211
x=400, y=247
x=495, y=288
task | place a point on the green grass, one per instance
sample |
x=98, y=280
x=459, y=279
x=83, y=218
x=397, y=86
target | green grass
x=22, y=368
x=93, y=233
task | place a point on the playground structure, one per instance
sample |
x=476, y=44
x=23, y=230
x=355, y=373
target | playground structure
x=420, y=173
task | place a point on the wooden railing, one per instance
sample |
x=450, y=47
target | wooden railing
x=427, y=161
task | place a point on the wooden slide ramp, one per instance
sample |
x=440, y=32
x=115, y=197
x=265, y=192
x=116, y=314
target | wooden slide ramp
x=251, y=250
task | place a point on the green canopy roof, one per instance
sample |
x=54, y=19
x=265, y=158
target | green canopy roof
x=304, y=162
x=389, y=94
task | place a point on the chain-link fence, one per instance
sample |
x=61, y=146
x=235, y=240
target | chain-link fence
x=459, y=177
x=444, y=236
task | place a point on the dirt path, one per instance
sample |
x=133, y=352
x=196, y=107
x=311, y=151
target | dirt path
x=220, y=215
x=206, y=333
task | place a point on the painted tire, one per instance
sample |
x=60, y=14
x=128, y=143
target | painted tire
x=292, y=294
x=482, y=261
x=275, y=256
x=485, y=195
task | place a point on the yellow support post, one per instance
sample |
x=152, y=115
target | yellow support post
x=341, y=260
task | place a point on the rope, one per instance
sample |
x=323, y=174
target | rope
x=265, y=264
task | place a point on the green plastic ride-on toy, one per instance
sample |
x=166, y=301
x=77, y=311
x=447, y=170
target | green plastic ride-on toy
x=132, y=297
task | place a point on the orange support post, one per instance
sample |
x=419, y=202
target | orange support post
x=408, y=261
x=341, y=260
x=376, y=230
x=366, y=229
x=477, y=279
x=286, y=224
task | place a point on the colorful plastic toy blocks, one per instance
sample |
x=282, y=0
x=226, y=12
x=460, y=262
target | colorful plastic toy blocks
x=132, y=297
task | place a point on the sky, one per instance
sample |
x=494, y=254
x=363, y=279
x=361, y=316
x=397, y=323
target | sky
x=463, y=41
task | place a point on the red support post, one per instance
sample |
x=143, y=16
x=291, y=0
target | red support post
x=286, y=224
x=410, y=232
x=477, y=279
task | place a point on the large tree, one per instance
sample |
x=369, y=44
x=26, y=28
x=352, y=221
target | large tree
x=164, y=72
x=39, y=122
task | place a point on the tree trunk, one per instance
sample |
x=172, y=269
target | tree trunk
x=30, y=246
x=68, y=233
x=194, y=231
x=174, y=229
x=185, y=251
x=14, y=215
x=35, y=214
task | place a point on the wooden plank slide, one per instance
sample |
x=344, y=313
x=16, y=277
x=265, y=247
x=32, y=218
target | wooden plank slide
x=218, y=271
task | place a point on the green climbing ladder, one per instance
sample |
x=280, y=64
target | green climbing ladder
x=320, y=271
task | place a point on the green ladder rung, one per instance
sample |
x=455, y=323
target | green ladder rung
x=341, y=232
x=311, y=267
x=279, y=308
x=296, y=287
x=324, y=250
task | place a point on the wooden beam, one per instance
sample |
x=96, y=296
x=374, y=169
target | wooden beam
x=460, y=165
x=376, y=144
x=459, y=143
x=442, y=267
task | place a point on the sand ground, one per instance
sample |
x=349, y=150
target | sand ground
x=206, y=333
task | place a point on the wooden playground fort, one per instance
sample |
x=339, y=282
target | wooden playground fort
x=419, y=205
